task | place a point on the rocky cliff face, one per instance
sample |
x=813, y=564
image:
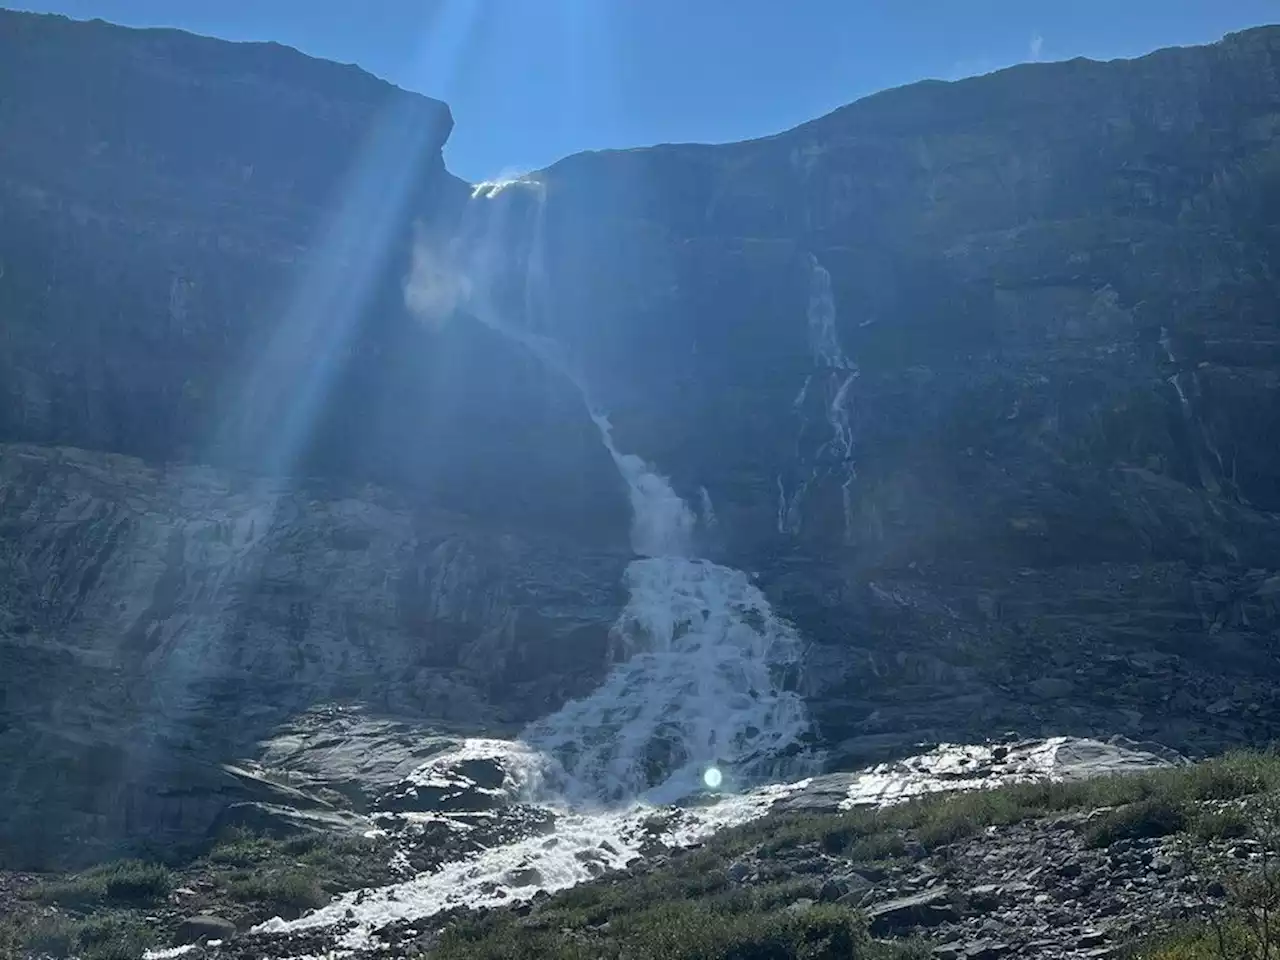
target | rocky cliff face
x=201, y=254
x=155, y=622
x=980, y=378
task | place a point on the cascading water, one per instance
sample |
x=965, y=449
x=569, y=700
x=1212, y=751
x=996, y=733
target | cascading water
x=697, y=695
x=836, y=373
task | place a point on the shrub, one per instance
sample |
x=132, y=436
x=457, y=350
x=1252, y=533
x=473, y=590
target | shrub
x=1154, y=817
x=99, y=937
x=112, y=938
x=55, y=936
x=287, y=892
x=76, y=892
x=337, y=862
x=135, y=881
x=240, y=848
x=122, y=881
x=680, y=930
x=1225, y=824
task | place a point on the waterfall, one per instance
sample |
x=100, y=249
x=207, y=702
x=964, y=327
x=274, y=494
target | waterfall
x=824, y=339
x=696, y=697
x=835, y=374
x=1199, y=437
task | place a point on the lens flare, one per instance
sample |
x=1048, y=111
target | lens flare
x=713, y=778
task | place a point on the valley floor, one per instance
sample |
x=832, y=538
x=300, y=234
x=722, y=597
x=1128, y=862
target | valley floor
x=1150, y=864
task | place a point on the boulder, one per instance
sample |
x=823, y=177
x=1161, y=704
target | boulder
x=926, y=909
x=202, y=928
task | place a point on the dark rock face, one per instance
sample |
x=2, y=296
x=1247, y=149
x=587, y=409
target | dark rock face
x=201, y=253
x=981, y=378
x=154, y=622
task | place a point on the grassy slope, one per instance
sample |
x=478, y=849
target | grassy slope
x=115, y=910
x=690, y=910
x=685, y=909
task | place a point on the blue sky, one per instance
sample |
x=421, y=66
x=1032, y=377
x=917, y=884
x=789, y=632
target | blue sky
x=530, y=81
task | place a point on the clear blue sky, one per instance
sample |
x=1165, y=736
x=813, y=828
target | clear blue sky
x=530, y=81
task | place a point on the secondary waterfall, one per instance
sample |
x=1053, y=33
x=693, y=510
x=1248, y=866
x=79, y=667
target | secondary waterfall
x=833, y=373
x=697, y=697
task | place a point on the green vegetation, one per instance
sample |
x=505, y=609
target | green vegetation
x=107, y=912
x=742, y=926
x=1150, y=804
x=118, y=882
x=355, y=859
x=287, y=892
x=287, y=877
x=1225, y=824
x=1152, y=817
x=102, y=923
x=104, y=936
x=691, y=910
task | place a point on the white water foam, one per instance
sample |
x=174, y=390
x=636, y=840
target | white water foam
x=584, y=846
x=697, y=689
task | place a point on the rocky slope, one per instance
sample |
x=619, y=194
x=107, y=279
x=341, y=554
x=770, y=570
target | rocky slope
x=978, y=378
x=1053, y=849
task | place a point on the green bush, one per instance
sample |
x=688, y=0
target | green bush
x=112, y=938
x=135, y=881
x=1154, y=817
x=338, y=863
x=680, y=930
x=1232, y=942
x=1224, y=824
x=687, y=931
x=79, y=892
x=240, y=848
x=287, y=892
x=99, y=937
x=122, y=881
x=55, y=936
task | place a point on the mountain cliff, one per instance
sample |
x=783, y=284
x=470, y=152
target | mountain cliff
x=978, y=379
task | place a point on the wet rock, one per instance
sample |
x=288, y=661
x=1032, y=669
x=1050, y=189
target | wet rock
x=280, y=821
x=986, y=950
x=927, y=909
x=1091, y=938
x=1051, y=688
x=201, y=928
x=832, y=891
x=523, y=877
x=986, y=896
